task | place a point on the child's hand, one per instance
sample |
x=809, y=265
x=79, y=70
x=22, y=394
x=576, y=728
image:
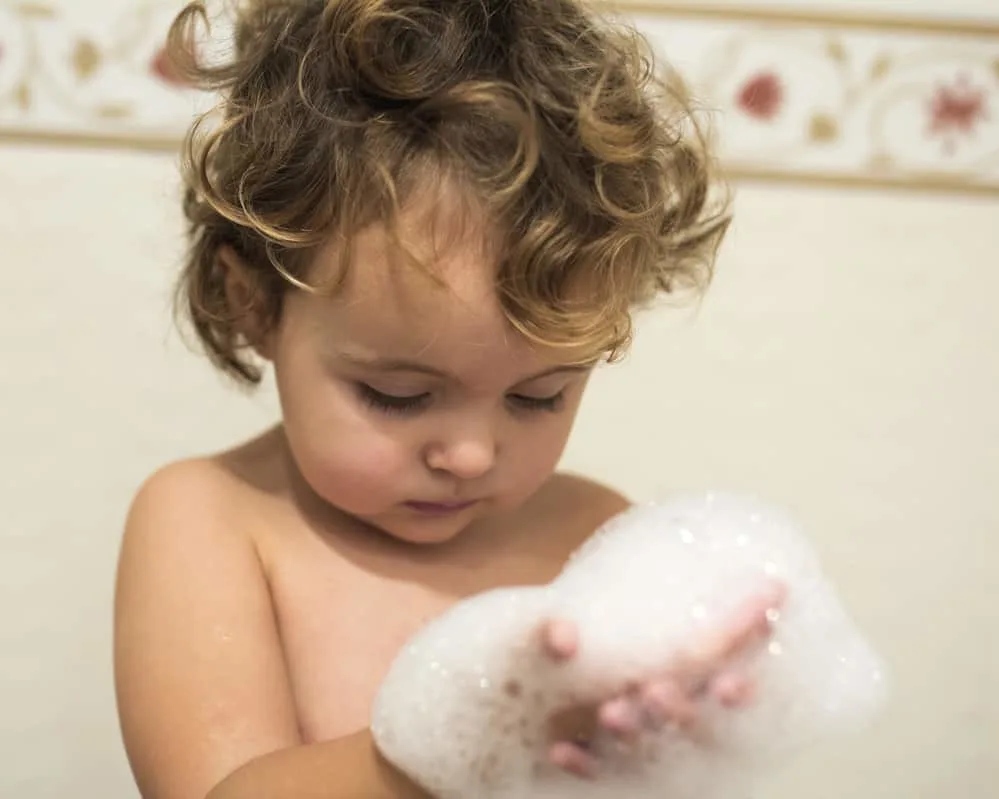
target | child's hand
x=704, y=671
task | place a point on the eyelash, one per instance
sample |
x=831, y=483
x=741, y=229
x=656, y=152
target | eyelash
x=389, y=403
x=548, y=404
x=392, y=404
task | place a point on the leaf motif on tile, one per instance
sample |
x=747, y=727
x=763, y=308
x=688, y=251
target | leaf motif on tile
x=86, y=59
x=881, y=67
x=22, y=96
x=823, y=128
x=110, y=111
x=836, y=51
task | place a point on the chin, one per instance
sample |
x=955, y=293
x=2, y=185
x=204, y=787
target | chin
x=426, y=530
x=422, y=534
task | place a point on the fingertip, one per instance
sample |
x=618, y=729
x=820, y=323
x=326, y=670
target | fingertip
x=775, y=593
x=732, y=690
x=665, y=703
x=621, y=717
x=558, y=754
x=572, y=759
x=560, y=639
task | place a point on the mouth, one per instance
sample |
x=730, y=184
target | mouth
x=440, y=508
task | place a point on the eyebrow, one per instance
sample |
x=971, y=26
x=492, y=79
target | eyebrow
x=404, y=365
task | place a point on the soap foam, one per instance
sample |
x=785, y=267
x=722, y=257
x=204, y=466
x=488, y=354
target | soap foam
x=464, y=706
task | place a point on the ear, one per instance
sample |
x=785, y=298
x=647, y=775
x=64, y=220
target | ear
x=246, y=299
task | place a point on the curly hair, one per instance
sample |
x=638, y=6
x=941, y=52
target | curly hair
x=332, y=112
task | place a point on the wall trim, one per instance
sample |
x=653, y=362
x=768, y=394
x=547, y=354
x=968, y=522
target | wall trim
x=900, y=102
x=169, y=146
x=869, y=21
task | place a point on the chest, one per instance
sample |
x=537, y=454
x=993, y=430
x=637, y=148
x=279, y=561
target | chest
x=343, y=619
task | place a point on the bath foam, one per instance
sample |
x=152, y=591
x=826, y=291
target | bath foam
x=463, y=708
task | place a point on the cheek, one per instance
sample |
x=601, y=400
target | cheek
x=355, y=471
x=536, y=454
x=339, y=449
x=366, y=457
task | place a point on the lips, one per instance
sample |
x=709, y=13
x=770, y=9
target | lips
x=440, y=508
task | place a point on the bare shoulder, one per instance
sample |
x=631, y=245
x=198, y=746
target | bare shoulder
x=196, y=485
x=591, y=498
x=185, y=507
x=215, y=492
x=577, y=506
x=199, y=672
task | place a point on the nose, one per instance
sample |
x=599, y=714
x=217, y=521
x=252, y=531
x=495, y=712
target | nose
x=465, y=453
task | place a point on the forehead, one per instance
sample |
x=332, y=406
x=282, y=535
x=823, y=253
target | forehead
x=446, y=312
x=430, y=279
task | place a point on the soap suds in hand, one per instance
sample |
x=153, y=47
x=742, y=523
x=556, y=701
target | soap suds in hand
x=464, y=708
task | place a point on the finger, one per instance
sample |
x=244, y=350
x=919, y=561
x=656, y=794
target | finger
x=559, y=639
x=732, y=689
x=665, y=703
x=748, y=624
x=622, y=717
x=573, y=759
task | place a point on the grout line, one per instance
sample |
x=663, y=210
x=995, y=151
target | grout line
x=735, y=174
x=793, y=17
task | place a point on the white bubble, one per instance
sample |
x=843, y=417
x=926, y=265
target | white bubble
x=471, y=688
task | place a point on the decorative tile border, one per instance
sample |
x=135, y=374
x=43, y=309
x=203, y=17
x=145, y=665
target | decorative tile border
x=874, y=101
x=64, y=75
x=861, y=100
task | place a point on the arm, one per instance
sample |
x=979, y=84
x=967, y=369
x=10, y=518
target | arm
x=203, y=696
x=347, y=768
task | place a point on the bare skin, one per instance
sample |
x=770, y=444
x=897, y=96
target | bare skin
x=361, y=593
x=291, y=646
x=250, y=620
x=264, y=592
x=672, y=697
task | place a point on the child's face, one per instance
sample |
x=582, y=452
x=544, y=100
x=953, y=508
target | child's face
x=414, y=406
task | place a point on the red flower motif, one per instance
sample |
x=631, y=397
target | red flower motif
x=956, y=109
x=163, y=68
x=762, y=96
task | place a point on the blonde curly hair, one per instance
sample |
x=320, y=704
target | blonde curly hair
x=590, y=165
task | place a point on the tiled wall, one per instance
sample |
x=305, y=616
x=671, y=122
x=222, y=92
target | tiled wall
x=833, y=98
x=843, y=364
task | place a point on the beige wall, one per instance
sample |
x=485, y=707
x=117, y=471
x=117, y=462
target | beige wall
x=96, y=391
x=843, y=365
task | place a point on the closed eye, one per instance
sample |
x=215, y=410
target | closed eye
x=528, y=403
x=392, y=403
